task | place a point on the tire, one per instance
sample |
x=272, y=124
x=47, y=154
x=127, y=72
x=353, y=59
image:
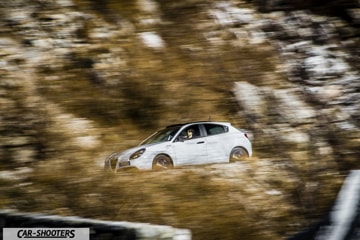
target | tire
x=162, y=162
x=237, y=154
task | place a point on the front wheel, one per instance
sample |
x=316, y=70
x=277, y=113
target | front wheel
x=238, y=153
x=162, y=162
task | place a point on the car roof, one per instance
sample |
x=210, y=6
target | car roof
x=198, y=122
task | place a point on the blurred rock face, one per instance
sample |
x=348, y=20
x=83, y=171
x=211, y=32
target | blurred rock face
x=332, y=6
x=66, y=69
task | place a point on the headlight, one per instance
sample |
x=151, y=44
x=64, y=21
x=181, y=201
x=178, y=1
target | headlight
x=137, y=154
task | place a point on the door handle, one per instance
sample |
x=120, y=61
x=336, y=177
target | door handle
x=200, y=142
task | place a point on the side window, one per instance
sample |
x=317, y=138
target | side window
x=214, y=129
x=190, y=132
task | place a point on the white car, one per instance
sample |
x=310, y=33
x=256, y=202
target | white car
x=185, y=144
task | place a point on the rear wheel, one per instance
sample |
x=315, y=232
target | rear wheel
x=162, y=162
x=238, y=153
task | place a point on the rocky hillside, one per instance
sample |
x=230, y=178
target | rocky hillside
x=81, y=79
x=78, y=76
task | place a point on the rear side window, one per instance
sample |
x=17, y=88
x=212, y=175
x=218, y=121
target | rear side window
x=214, y=129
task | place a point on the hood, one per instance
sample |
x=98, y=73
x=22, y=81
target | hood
x=134, y=149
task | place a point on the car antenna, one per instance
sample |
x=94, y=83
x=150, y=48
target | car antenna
x=209, y=118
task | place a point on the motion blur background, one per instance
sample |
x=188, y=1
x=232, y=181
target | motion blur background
x=84, y=78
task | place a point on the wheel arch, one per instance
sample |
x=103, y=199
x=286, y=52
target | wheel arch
x=236, y=147
x=164, y=154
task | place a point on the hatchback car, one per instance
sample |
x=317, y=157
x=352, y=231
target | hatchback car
x=185, y=144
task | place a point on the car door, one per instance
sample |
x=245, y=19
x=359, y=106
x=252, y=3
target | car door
x=188, y=149
x=217, y=143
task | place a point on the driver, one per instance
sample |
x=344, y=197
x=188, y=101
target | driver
x=190, y=133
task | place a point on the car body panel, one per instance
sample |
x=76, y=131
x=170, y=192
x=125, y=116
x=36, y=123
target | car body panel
x=190, y=152
x=211, y=142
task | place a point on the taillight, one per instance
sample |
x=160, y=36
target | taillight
x=245, y=134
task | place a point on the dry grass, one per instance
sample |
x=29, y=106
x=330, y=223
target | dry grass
x=254, y=199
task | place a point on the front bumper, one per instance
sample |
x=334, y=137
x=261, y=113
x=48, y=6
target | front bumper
x=124, y=164
x=118, y=161
x=114, y=162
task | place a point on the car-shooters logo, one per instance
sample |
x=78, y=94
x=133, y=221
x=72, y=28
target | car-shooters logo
x=46, y=233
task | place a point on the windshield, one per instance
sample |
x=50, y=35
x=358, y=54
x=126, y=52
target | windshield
x=163, y=135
